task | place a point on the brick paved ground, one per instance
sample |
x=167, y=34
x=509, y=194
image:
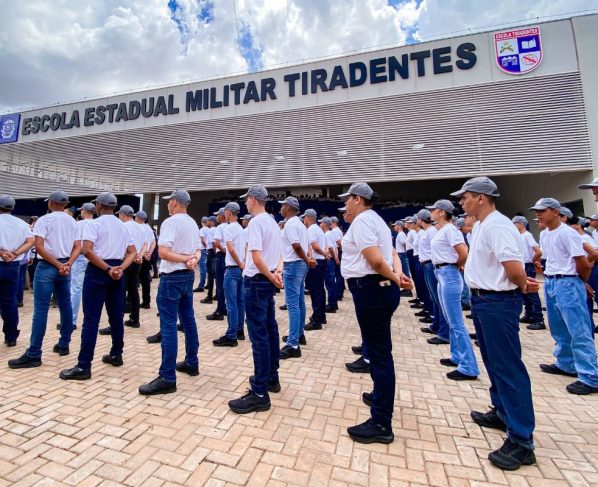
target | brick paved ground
x=102, y=432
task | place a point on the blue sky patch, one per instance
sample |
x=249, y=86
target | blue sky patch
x=206, y=12
x=251, y=53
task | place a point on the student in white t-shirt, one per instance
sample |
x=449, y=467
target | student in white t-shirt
x=179, y=248
x=58, y=245
x=260, y=278
x=401, y=246
x=210, y=259
x=146, y=265
x=203, y=268
x=332, y=261
x=314, y=281
x=220, y=266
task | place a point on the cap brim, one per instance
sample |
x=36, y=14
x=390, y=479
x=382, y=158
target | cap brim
x=588, y=186
x=430, y=207
x=459, y=193
x=244, y=195
x=166, y=197
x=539, y=208
x=344, y=195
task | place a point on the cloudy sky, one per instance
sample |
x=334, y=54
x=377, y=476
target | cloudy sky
x=63, y=50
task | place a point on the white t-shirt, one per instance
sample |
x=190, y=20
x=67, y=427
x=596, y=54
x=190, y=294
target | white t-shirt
x=595, y=235
x=81, y=224
x=425, y=244
x=493, y=241
x=316, y=235
x=210, y=238
x=560, y=246
x=410, y=238
x=401, y=242
x=367, y=230
x=13, y=233
x=338, y=234
x=529, y=244
x=181, y=234
x=265, y=236
x=149, y=236
x=330, y=240
x=416, y=239
x=585, y=238
x=110, y=237
x=234, y=233
x=137, y=234
x=59, y=232
x=202, y=233
x=219, y=235
x=293, y=232
x=443, y=245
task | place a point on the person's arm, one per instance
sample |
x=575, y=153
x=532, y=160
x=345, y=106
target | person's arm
x=166, y=253
x=75, y=252
x=217, y=245
x=94, y=259
x=302, y=255
x=376, y=260
x=259, y=262
x=317, y=249
x=516, y=274
x=461, y=250
x=591, y=251
x=537, y=254
x=231, y=251
x=9, y=256
x=149, y=253
x=44, y=254
x=583, y=266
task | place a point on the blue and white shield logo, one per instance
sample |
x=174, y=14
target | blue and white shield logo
x=9, y=128
x=518, y=51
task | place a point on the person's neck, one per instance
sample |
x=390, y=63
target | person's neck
x=106, y=212
x=485, y=211
x=178, y=211
x=258, y=210
x=361, y=210
x=553, y=225
x=441, y=223
x=231, y=221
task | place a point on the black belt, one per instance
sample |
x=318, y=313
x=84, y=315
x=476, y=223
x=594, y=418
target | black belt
x=180, y=271
x=481, y=292
x=559, y=276
x=260, y=277
x=444, y=264
x=359, y=281
x=232, y=266
x=424, y=262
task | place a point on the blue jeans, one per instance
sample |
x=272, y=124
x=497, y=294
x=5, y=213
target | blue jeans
x=235, y=302
x=99, y=289
x=330, y=281
x=422, y=288
x=22, y=279
x=531, y=301
x=593, y=282
x=294, y=292
x=340, y=280
x=439, y=325
x=405, y=263
x=496, y=320
x=203, y=268
x=9, y=277
x=263, y=331
x=314, y=282
x=47, y=281
x=569, y=324
x=450, y=287
x=220, y=297
x=465, y=294
x=175, y=299
x=374, y=307
x=77, y=276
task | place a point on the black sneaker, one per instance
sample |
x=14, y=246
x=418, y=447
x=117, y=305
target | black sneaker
x=447, y=362
x=106, y=331
x=357, y=350
x=526, y=319
x=456, y=375
x=240, y=335
x=330, y=309
x=370, y=432
x=24, y=362
x=115, y=361
x=406, y=294
x=157, y=338
x=62, y=351
x=368, y=398
x=58, y=326
x=360, y=366
x=225, y=341
x=215, y=317
x=536, y=326
x=580, y=388
x=10, y=343
x=473, y=336
x=250, y=403
x=179, y=327
x=75, y=373
x=437, y=341
x=466, y=307
x=207, y=300
x=187, y=369
x=273, y=385
x=198, y=289
x=283, y=307
x=157, y=386
x=422, y=314
x=416, y=306
x=302, y=340
x=511, y=456
x=427, y=329
x=145, y=306
x=469, y=316
x=426, y=319
x=132, y=323
x=312, y=325
x=488, y=420
x=554, y=370
x=413, y=301
x=290, y=352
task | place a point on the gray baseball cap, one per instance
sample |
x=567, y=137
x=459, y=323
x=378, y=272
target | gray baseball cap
x=359, y=189
x=545, y=203
x=212, y=219
x=204, y=219
x=424, y=215
x=326, y=221
x=445, y=205
x=311, y=213
x=219, y=212
x=399, y=222
x=7, y=202
x=257, y=191
x=233, y=207
x=87, y=207
x=519, y=219
x=582, y=221
x=593, y=184
x=126, y=210
x=566, y=212
x=594, y=216
x=481, y=185
x=334, y=219
x=141, y=214
x=179, y=195
x=58, y=197
x=106, y=199
x=291, y=201
x=460, y=223
x=246, y=217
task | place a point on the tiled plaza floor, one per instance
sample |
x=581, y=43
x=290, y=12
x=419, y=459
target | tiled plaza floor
x=102, y=432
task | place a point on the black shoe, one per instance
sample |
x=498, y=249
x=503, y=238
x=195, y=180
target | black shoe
x=330, y=309
x=456, y=375
x=536, y=326
x=370, y=432
x=132, y=323
x=207, y=300
x=115, y=361
x=273, y=385
x=215, y=317
x=416, y=306
x=437, y=341
x=302, y=340
x=406, y=294
x=10, y=343
x=249, y=403
x=289, y=352
x=488, y=420
x=106, y=331
x=368, y=398
x=20, y=305
x=145, y=306
x=580, y=388
x=473, y=336
x=24, y=362
x=360, y=366
x=62, y=351
x=413, y=301
x=157, y=386
x=240, y=335
x=58, y=326
x=466, y=307
x=198, y=290
x=427, y=319
x=469, y=316
x=476, y=343
x=283, y=307
x=357, y=350
x=306, y=292
x=225, y=341
x=179, y=327
x=447, y=362
x=422, y=314
x=75, y=373
x=553, y=369
x=313, y=326
x=511, y=456
x=427, y=329
x=187, y=369
x=157, y=338
x=526, y=319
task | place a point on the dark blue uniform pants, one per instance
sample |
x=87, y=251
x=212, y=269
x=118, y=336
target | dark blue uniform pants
x=220, y=269
x=531, y=301
x=314, y=283
x=9, y=277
